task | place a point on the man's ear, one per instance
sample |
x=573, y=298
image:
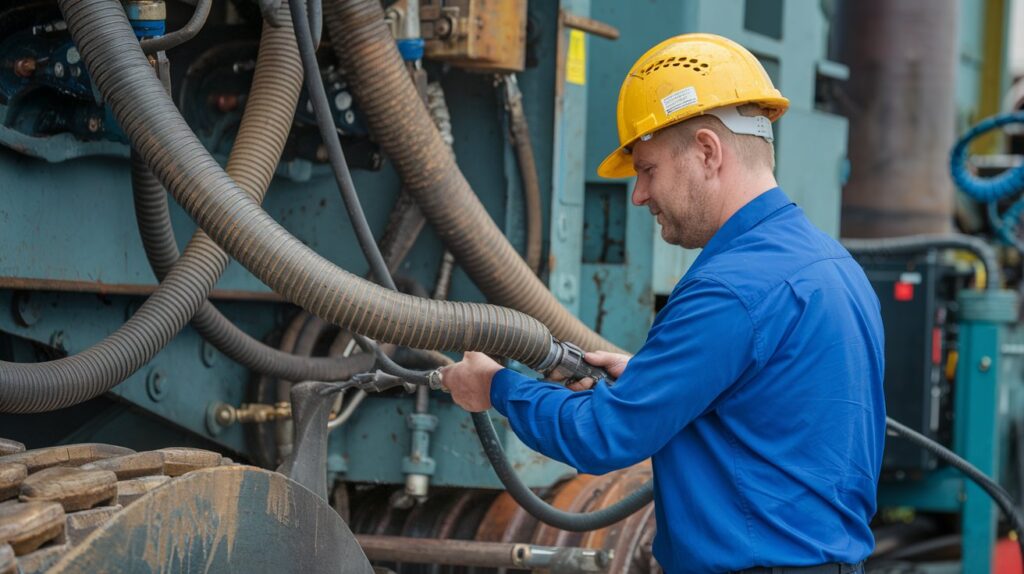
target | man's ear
x=710, y=149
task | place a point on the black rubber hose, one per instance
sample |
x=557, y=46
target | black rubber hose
x=183, y=34
x=920, y=243
x=249, y=234
x=519, y=129
x=572, y=521
x=335, y=154
x=401, y=124
x=998, y=494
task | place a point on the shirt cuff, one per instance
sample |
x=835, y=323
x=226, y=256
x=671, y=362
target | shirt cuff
x=503, y=383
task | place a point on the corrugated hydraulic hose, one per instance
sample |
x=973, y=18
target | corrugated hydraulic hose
x=65, y=382
x=261, y=137
x=401, y=124
x=237, y=223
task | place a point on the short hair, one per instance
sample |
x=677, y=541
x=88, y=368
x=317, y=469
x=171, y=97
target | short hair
x=746, y=146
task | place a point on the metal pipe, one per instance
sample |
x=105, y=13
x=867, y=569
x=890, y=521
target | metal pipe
x=182, y=35
x=483, y=554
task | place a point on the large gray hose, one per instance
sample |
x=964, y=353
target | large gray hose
x=401, y=124
x=235, y=221
x=921, y=243
x=64, y=382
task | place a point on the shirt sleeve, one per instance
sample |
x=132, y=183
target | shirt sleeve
x=701, y=343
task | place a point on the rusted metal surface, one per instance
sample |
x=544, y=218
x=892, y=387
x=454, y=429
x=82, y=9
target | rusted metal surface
x=131, y=465
x=8, y=446
x=483, y=554
x=453, y=517
x=73, y=488
x=900, y=96
x=28, y=525
x=484, y=35
x=11, y=475
x=66, y=455
x=179, y=460
x=589, y=25
x=78, y=525
x=225, y=519
x=8, y=564
x=129, y=491
x=100, y=288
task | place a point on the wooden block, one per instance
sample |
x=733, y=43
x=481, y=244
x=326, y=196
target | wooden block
x=179, y=460
x=11, y=475
x=74, y=488
x=66, y=455
x=128, y=491
x=28, y=525
x=131, y=465
x=78, y=525
x=8, y=563
x=8, y=446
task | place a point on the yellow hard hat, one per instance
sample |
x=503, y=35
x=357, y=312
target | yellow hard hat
x=683, y=77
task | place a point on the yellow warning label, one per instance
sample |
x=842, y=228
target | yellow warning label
x=576, y=63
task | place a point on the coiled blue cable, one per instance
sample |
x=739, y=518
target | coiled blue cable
x=992, y=189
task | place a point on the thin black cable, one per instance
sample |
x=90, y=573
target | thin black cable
x=998, y=493
x=181, y=35
x=488, y=436
x=336, y=156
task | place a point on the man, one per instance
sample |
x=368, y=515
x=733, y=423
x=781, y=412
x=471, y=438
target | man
x=758, y=394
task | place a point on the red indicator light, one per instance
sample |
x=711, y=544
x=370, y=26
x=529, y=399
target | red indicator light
x=903, y=291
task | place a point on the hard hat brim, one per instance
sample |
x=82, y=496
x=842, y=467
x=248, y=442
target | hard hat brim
x=618, y=164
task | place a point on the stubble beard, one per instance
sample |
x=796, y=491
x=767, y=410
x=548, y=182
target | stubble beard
x=694, y=227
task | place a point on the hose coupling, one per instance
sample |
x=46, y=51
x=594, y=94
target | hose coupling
x=565, y=363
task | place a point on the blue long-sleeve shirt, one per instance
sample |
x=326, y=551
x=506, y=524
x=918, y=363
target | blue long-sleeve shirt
x=758, y=397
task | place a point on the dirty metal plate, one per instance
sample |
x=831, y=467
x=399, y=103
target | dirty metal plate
x=131, y=465
x=28, y=525
x=66, y=455
x=222, y=519
x=11, y=475
x=8, y=446
x=74, y=488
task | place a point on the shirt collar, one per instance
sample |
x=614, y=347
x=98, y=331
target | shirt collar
x=748, y=217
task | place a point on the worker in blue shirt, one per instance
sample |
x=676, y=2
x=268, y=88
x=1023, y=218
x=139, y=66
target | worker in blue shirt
x=758, y=393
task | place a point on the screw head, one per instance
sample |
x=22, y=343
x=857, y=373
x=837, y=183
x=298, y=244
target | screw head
x=156, y=385
x=58, y=70
x=94, y=124
x=985, y=364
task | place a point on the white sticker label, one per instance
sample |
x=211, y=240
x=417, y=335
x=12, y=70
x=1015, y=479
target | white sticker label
x=679, y=100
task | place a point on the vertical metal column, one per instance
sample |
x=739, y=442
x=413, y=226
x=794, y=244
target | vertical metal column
x=983, y=315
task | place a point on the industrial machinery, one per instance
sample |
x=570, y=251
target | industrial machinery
x=263, y=395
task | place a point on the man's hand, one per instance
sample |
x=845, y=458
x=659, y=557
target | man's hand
x=613, y=363
x=469, y=381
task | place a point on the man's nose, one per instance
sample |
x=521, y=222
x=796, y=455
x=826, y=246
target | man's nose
x=639, y=196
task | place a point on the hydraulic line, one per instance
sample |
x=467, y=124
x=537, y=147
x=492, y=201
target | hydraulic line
x=125, y=80
x=182, y=35
x=996, y=492
x=399, y=121
x=921, y=243
x=485, y=430
x=519, y=129
x=64, y=382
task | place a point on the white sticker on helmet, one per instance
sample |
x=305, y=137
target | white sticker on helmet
x=678, y=100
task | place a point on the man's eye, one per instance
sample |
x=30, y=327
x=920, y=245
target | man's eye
x=649, y=171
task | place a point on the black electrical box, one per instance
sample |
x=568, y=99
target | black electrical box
x=917, y=297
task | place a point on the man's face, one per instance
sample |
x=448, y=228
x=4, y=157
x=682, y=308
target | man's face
x=671, y=183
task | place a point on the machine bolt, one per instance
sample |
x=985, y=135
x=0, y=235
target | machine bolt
x=985, y=364
x=94, y=124
x=25, y=67
x=350, y=117
x=226, y=103
x=343, y=101
x=156, y=385
x=76, y=71
x=443, y=27
x=58, y=70
x=26, y=313
x=72, y=55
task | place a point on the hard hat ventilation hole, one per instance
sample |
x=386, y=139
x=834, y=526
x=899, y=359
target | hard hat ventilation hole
x=691, y=63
